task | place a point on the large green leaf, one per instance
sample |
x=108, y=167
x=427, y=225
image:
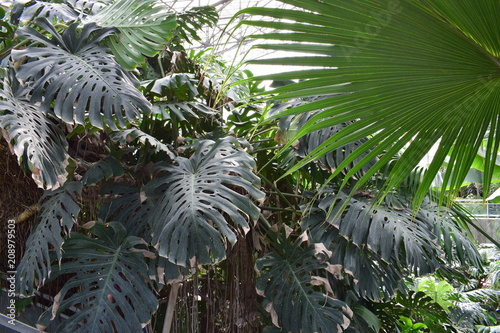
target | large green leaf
x=451, y=230
x=395, y=235
x=145, y=27
x=58, y=212
x=309, y=142
x=51, y=10
x=416, y=305
x=34, y=138
x=77, y=75
x=89, y=7
x=363, y=269
x=286, y=280
x=198, y=196
x=412, y=72
x=110, y=288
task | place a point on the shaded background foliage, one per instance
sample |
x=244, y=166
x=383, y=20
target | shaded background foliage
x=220, y=206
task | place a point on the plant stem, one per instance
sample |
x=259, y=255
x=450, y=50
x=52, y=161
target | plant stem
x=169, y=314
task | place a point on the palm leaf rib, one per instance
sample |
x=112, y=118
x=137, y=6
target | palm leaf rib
x=416, y=72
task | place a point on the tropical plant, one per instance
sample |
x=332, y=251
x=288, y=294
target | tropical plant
x=166, y=182
x=412, y=73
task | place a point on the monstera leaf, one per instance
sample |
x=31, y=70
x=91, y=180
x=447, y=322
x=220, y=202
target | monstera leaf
x=395, y=235
x=416, y=305
x=79, y=77
x=365, y=271
x=451, y=234
x=182, y=110
x=145, y=27
x=58, y=211
x=307, y=144
x=198, y=196
x=34, y=139
x=287, y=283
x=89, y=7
x=110, y=285
x=51, y=10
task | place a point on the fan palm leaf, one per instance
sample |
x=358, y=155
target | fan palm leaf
x=412, y=73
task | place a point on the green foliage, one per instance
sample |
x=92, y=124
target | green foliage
x=113, y=288
x=394, y=235
x=441, y=292
x=62, y=12
x=104, y=169
x=418, y=308
x=288, y=285
x=59, y=211
x=128, y=136
x=191, y=21
x=487, y=329
x=93, y=83
x=176, y=149
x=194, y=195
x=36, y=140
x=407, y=326
x=144, y=28
x=407, y=89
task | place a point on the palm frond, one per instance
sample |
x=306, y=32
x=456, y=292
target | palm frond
x=411, y=72
x=190, y=22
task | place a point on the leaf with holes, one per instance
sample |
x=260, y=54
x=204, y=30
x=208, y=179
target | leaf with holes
x=59, y=209
x=109, y=288
x=145, y=27
x=450, y=229
x=369, y=275
x=33, y=137
x=198, y=196
x=79, y=77
x=51, y=10
x=88, y=7
x=286, y=282
x=395, y=235
x=182, y=110
x=333, y=159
